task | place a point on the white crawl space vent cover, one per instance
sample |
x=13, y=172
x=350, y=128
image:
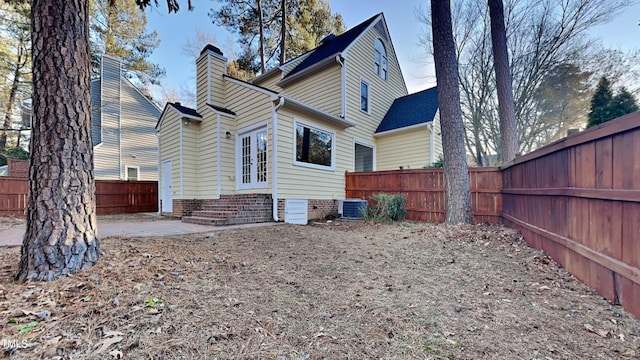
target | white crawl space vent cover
x=295, y=211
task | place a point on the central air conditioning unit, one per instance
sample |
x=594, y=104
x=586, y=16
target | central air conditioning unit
x=352, y=208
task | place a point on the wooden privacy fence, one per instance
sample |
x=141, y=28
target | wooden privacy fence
x=112, y=196
x=425, y=190
x=579, y=200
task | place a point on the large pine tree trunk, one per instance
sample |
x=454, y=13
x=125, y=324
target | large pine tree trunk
x=61, y=216
x=455, y=158
x=506, y=110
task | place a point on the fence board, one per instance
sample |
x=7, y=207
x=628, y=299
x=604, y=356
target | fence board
x=582, y=206
x=112, y=196
x=425, y=191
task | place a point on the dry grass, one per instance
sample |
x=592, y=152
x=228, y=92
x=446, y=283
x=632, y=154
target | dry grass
x=338, y=291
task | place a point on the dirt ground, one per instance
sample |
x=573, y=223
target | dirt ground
x=325, y=291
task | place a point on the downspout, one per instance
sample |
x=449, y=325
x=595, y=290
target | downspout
x=159, y=175
x=343, y=80
x=218, y=159
x=181, y=177
x=274, y=160
x=432, y=145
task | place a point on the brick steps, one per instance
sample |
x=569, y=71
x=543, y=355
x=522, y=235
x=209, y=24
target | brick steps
x=233, y=209
x=204, y=220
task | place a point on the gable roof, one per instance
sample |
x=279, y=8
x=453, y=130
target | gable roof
x=185, y=110
x=409, y=110
x=222, y=110
x=332, y=46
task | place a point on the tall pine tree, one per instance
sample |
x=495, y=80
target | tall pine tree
x=119, y=28
x=605, y=106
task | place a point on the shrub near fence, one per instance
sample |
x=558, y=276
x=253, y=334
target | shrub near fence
x=579, y=200
x=425, y=190
x=112, y=196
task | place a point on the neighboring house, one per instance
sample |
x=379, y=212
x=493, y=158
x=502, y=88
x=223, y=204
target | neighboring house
x=125, y=145
x=277, y=148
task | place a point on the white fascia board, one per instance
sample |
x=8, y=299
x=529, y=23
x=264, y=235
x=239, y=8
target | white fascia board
x=402, y=130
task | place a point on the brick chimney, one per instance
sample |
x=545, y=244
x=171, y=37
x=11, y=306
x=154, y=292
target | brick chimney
x=211, y=65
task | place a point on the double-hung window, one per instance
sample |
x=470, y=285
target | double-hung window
x=364, y=96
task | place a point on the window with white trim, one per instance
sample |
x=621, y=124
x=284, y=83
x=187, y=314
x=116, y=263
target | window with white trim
x=314, y=147
x=380, y=59
x=132, y=173
x=364, y=96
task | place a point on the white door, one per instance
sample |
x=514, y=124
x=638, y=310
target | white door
x=166, y=196
x=252, y=159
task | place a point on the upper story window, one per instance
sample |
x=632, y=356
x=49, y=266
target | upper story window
x=380, y=59
x=364, y=96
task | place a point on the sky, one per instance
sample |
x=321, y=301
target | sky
x=175, y=29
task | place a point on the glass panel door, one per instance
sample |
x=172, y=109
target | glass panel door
x=252, y=152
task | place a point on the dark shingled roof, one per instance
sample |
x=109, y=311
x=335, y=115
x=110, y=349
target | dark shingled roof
x=221, y=109
x=418, y=108
x=185, y=110
x=333, y=46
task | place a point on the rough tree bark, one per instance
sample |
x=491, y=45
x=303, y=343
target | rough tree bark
x=506, y=108
x=61, y=216
x=455, y=159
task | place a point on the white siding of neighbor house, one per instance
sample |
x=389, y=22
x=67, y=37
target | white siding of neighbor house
x=138, y=141
x=123, y=126
x=170, y=149
x=106, y=157
x=96, y=116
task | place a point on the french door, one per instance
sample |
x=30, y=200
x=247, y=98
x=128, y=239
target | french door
x=252, y=159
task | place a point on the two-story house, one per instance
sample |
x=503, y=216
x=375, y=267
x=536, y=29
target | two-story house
x=277, y=148
x=125, y=146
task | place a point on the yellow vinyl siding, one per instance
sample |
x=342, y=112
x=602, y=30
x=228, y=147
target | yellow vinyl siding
x=360, y=65
x=322, y=90
x=251, y=107
x=190, y=154
x=270, y=81
x=409, y=149
x=300, y=182
x=207, y=155
x=170, y=149
x=201, y=81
